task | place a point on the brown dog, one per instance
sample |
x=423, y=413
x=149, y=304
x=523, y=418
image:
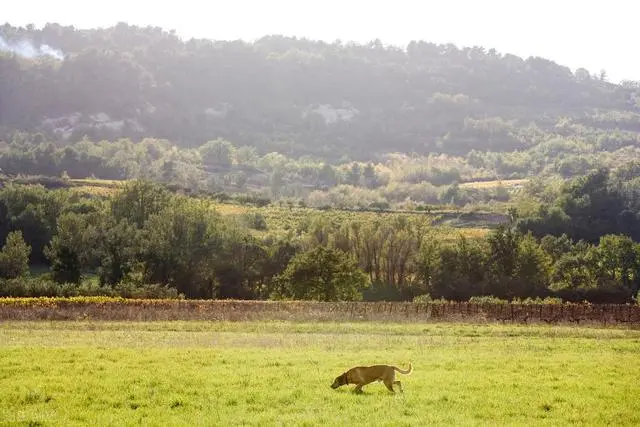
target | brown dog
x=363, y=375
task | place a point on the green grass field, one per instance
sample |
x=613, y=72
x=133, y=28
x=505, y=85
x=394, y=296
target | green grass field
x=277, y=373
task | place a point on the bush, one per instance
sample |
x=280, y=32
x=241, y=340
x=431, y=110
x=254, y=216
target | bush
x=44, y=287
x=255, y=220
x=48, y=182
x=600, y=295
x=423, y=299
x=538, y=300
x=149, y=291
x=487, y=299
x=382, y=292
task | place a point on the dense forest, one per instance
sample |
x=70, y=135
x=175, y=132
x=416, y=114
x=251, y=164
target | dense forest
x=310, y=124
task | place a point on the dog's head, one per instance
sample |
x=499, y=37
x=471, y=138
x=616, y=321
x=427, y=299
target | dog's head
x=339, y=381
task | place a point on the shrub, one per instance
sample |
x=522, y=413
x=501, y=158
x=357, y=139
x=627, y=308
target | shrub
x=149, y=291
x=424, y=298
x=255, y=220
x=487, y=299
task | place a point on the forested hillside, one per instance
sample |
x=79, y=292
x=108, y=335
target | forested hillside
x=436, y=133
x=301, y=97
x=287, y=117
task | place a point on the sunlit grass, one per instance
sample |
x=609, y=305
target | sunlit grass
x=278, y=373
x=493, y=184
x=89, y=190
x=99, y=182
x=229, y=209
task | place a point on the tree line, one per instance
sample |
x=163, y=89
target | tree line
x=147, y=240
x=395, y=181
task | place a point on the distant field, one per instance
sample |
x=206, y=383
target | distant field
x=89, y=190
x=278, y=373
x=286, y=219
x=109, y=183
x=507, y=183
x=96, y=187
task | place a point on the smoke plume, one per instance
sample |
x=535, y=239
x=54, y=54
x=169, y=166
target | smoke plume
x=26, y=49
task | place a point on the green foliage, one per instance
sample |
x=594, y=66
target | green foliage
x=116, y=248
x=422, y=299
x=69, y=248
x=588, y=208
x=181, y=245
x=340, y=127
x=14, y=256
x=487, y=299
x=255, y=220
x=138, y=201
x=145, y=235
x=65, y=266
x=24, y=287
x=292, y=117
x=322, y=274
x=217, y=153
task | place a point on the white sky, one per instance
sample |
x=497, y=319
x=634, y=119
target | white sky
x=576, y=33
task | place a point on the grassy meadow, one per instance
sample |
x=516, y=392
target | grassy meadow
x=278, y=373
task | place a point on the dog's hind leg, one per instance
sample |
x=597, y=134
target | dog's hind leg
x=399, y=385
x=389, y=385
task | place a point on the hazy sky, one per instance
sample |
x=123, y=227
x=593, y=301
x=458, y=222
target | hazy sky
x=575, y=33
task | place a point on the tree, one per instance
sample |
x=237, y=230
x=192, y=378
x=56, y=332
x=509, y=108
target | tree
x=327, y=176
x=168, y=171
x=602, y=75
x=65, y=266
x=457, y=271
x=353, y=174
x=239, y=273
x=117, y=246
x=181, y=247
x=322, y=274
x=217, y=153
x=277, y=183
x=533, y=268
x=138, y=200
x=503, y=252
x=617, y=261
x=14, y=257
x=582, y=75
x=70, y=248
x=370, y=177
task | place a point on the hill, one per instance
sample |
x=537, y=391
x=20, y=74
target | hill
x=290, y=117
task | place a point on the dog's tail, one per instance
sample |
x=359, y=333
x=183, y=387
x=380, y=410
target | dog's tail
x=406, y=372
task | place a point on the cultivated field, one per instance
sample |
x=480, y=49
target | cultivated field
x=278, y=373
x=448, y=222
x=506, y=183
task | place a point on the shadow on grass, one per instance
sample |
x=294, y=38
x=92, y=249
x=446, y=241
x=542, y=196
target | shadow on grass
x=366, y=394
